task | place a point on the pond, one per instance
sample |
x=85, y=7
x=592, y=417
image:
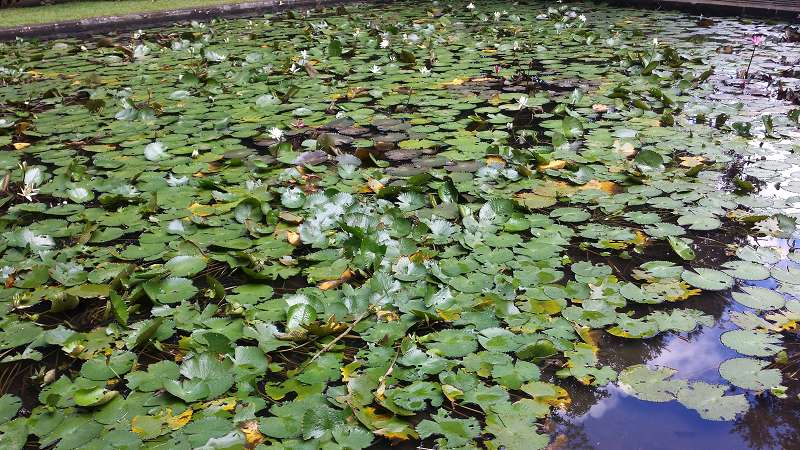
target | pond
x=422, y=225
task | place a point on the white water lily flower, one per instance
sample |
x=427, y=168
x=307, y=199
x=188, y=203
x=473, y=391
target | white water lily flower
x=140, y=51
x=37, y=241
x=541, y=17
x=470, y=6
x=78, y=194
x=33, y=176
x=175, y=226
x=384, y=43
x=195, y=153
x=126, y=191
x=252, y=185
x=213, y=56
x=6, y=272
x=497, y=15
x=155, y=151
x=276, y=133
x=424, y=71
x=172, y=181
x=582, y=18
x=375, y=69
x=522, y=102
x=294, y=68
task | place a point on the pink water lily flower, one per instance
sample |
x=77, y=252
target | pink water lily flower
x=757, y=39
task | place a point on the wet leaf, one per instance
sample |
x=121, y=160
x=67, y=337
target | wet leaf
x=708, y=279
x=749, y=373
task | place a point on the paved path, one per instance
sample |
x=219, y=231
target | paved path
x=789, y=9
x=107, y=24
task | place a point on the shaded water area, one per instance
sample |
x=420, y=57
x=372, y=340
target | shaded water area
x=409, y=226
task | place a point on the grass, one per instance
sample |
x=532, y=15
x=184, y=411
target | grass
x=77, y=10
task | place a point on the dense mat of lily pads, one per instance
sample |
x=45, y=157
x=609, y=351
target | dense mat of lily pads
x=403, y=223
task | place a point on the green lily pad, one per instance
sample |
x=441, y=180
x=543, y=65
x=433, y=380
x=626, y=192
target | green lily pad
x=708, y=279
x=709, y=400
x=759, y=298
x=752, y=343
x=650, y=384
x=749, y=373
x=185, y=266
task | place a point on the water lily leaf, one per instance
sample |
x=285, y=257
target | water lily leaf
x=534, y=201
x=649, y=161
x=206, y=377
x=94, y=396
x=170, y=289
x=14, y=434
x=498, y=340
x=700, y=222
x=335, y=48
x=681, y=320
x=709, y=400
x=415, y=397
x=455, y=432
x=650, y=384
x=746, y=270
x=450, y=343
x=759, y=298
x=752, y=343
x=570, y=214
x=89, y=290
x=571, y=127
x=790, y=275
x=760, y=255
x=708, y=279
x=9, y=405
x=681, y=248
x=298, y=315
x=101, y=368
x=513, y=426
x=749, y=373
x=587, y=269
x=185, y=266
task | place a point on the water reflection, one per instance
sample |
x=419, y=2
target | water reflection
x=609, y=418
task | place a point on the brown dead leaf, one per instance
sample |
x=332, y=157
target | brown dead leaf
x=691, y=161
x=293, y=238
x=252, y=436
x=332, y=284
x=608, y=187
x=176, y=422
x=555, y=164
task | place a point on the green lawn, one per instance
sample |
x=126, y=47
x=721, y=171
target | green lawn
x=83, y=9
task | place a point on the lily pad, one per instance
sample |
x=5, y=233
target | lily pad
x=759, y=298
x=751, y=342
x=708, y=279
x=749, y=373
